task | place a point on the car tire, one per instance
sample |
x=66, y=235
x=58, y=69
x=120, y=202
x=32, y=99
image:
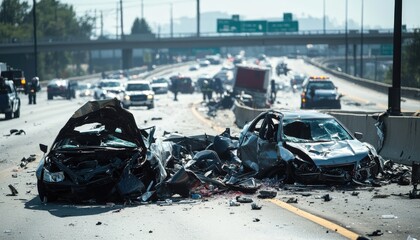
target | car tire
x=151, y=106
x=8, y=115
x=42, y=193
x=17, y=113
x=50, y=96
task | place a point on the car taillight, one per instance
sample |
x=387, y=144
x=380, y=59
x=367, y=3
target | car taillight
x=23, y=81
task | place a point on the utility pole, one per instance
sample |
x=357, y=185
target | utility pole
x=35, y=38
x=172, y=22
x=394, y=92
x=347, y=44
x=102, y=24
x=324, y=17
x=361, y=45
x=142, y=10
x=116, y=25
x=122, y=23
x=198, y=18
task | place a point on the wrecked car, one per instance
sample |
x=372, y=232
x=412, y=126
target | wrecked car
x=307, y=147
x=99, y=154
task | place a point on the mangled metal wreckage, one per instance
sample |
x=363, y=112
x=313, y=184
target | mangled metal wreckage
x=100, y=154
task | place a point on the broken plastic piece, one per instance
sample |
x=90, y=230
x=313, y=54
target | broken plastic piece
x=242, y=199
x=388, y=216
x=233, y=203
x=376, y=233
x=327, y=197
x=292, y=200
x=255, y=206
x=267, y=194
x=13, y=190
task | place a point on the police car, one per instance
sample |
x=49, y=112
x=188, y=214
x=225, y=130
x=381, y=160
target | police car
x=319, y=92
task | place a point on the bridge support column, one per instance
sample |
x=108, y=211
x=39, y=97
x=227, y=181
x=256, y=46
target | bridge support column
x=127, y=58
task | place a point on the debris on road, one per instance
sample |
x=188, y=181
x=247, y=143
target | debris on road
x=255, y=206
x=100, y=154
x=13, y=191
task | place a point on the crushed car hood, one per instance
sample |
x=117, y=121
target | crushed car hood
x=106, y=112
x=333, y=152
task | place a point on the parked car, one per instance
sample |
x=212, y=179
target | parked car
x=108, y=89
x=9, y=99
x=138, y=93
x=319, y=92
x=99, y=154
x=60, y=87
x=307, y=147
x=194, y=67
x=160, y=85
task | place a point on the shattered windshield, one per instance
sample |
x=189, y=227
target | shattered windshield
x=314, y=130
x=94, y=135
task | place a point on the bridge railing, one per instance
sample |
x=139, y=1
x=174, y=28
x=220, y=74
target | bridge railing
x=191, y=35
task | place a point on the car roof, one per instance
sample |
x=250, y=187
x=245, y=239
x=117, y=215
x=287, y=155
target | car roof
x=138, y=82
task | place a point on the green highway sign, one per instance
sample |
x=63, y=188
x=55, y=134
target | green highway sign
x=287, y=17
x=292, y=26
x=253, y=26
x=227, y=26
x=234, y=25
x=387, y=49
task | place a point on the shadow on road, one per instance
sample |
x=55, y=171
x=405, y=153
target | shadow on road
x=64, y=209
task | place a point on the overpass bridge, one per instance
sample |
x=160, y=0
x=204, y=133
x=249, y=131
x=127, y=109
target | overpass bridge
x=220, y=40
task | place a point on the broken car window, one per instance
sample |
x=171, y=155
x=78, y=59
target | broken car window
x=314, y=130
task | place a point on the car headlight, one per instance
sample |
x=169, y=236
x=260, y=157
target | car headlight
x=53, y=176
x=149, y=97
x=127, y=97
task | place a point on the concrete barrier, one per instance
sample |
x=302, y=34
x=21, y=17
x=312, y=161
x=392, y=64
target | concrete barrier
x=402, y=133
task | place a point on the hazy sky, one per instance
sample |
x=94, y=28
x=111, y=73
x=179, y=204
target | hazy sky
x=377, y=13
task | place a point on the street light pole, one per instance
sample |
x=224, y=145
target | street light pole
x=347, y=44
x=172, y=22
x=361, y=45
x=121, y=19
x=394, y=92
x=198, y=18
x=324, y=18
x=35, y=38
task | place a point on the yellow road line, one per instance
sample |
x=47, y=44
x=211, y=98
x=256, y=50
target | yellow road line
x=323, y=222
x=204, y=120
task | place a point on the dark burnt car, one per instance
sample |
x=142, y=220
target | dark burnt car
x=307, y=147
x=99, y=154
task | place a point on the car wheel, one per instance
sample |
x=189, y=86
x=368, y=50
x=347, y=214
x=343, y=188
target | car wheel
x=17, y=113
x=50, y=96
x=42, y=193
x=8, y=115
x=151, y=106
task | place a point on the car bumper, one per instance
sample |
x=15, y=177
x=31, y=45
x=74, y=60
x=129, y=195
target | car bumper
x=138, y=103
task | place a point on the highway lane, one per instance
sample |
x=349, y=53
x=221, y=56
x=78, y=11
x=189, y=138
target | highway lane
x=24, y=217
x=355, y=97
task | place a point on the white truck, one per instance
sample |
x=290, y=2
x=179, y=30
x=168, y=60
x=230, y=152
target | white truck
x=252, y=81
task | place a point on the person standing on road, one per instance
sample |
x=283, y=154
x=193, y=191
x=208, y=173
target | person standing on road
x=273, y=93
x=218, y=87
x=33, y=87
x=174, y=88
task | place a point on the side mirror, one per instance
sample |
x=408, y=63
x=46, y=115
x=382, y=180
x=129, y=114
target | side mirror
x=43, y=148
x=358, y=135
